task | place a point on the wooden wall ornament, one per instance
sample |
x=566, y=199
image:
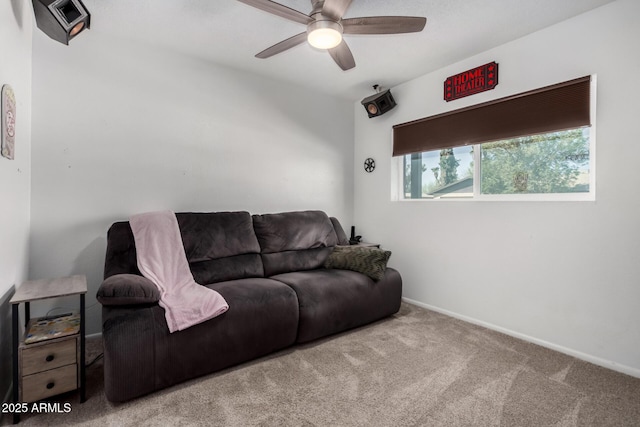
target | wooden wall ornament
x=8, y=124
x=470, y=82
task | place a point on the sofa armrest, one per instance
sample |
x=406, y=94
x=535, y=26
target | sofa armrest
x=127, y=289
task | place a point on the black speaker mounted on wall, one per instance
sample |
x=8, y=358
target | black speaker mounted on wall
x=61, y=20
x=380, y=103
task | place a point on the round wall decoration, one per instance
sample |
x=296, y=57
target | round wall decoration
x=369, y=165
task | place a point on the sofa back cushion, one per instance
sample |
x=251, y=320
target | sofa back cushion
x=219, y=246
x=121, y=251
x=294, y=241
x=342, y=236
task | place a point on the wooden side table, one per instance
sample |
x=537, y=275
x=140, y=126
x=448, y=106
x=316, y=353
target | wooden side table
x=51, y=366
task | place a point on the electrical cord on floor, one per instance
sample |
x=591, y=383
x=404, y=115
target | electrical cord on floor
x=98, y=357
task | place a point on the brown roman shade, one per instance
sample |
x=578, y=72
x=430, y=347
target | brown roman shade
x=553, y=108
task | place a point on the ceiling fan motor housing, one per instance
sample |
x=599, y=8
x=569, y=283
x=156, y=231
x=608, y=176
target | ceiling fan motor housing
x=317, y=6
x=378, y=104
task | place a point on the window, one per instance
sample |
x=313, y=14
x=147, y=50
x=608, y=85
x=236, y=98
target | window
x=551, y=163
x=536, y=145
x=439, y=173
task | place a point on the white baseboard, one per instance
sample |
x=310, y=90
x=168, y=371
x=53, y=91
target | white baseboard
x=577, y=354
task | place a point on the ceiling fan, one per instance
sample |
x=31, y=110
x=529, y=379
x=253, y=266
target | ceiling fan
x=325, y=27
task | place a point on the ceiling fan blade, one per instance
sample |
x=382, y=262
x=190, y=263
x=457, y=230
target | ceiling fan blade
x=279, y=10
x=283, y=45
x=343, y=56
x=383, y=25
x=335, y=8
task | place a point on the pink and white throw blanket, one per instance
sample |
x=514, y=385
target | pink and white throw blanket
x=161, y=259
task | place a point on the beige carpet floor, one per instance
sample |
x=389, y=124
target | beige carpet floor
x=417, y=368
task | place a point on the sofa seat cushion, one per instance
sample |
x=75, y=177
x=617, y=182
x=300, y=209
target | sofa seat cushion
x=333, y=301
x=262, y=318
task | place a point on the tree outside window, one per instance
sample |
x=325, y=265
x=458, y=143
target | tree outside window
x=551, y=163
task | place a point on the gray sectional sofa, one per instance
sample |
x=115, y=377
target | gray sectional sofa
x=270, y=270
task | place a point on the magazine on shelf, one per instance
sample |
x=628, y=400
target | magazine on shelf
x=46, y=328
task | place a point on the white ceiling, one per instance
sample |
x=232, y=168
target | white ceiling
x=230, y=33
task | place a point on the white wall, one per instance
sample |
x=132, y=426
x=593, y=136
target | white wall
x=562, y=274
x=123, y=128
x=15, y=179
x=15, y=70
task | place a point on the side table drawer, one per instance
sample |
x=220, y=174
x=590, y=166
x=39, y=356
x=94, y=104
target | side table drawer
x=49, y=383
x=48, y=356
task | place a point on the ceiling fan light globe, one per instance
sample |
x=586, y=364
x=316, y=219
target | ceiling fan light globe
x=324, y=38
x=324, y=34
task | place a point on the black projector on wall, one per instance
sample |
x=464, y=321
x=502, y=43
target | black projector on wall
x=380, y=103
x=61, y=20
